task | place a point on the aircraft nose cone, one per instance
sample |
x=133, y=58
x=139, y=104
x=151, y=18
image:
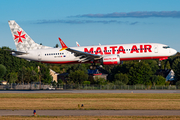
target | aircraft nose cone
x=173, y=51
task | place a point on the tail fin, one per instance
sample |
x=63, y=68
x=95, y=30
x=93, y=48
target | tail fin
x=22, y=40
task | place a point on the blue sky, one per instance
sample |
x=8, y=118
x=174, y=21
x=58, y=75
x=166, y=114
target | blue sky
x=91, y=22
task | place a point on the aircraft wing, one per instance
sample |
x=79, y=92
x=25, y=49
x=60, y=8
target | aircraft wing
x=77, y=44
x=83, y=56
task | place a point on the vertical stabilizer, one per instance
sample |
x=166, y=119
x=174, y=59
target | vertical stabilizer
x=22, y=40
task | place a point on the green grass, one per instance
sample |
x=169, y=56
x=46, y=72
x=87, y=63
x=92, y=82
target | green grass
x=91, y=95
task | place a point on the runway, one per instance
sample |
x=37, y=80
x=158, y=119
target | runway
x=90, y=112
x=90, y=91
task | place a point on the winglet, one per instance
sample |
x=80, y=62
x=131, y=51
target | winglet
x=63, y=45
x=77, y=44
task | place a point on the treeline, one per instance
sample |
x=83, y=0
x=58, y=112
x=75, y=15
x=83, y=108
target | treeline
x=22, y=71
x=129, y=73
x=144, y=72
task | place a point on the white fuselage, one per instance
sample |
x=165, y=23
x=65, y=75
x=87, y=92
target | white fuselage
x=138, y=51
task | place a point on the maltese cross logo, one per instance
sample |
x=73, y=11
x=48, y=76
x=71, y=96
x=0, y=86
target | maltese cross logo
x=20, y=36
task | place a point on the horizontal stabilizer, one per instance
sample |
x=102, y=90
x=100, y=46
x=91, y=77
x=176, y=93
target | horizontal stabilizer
x=17, y=52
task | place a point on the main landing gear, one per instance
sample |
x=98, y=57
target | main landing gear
x=93, y=66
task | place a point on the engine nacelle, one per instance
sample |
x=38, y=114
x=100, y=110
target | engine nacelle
x=111, y=60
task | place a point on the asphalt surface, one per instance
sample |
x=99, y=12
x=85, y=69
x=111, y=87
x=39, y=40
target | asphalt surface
x=90, y=91
x=90, y=112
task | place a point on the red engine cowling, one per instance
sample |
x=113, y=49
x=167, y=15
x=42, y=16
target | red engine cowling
x=111, y=60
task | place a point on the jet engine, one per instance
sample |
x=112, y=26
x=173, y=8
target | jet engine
x=111, y=60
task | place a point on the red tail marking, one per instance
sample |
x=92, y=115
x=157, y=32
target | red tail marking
x=20, y=36
x=62, y=43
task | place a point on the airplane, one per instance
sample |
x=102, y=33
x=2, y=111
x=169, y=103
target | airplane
x=105, y=54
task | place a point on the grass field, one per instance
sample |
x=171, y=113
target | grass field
x=70, y=101
x=93, y=118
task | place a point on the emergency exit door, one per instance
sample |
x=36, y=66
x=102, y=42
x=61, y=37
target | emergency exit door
x=156, y=49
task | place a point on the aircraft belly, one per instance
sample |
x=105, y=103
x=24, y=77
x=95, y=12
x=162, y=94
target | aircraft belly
x=141, y=56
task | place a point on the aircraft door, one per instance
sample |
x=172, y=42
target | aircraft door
x=156, y=49
x=67, y=53
x=39, y=56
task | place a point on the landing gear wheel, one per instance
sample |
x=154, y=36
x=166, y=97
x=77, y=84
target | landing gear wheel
x=93, y=66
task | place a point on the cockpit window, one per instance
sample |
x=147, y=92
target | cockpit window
x=166, y=47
